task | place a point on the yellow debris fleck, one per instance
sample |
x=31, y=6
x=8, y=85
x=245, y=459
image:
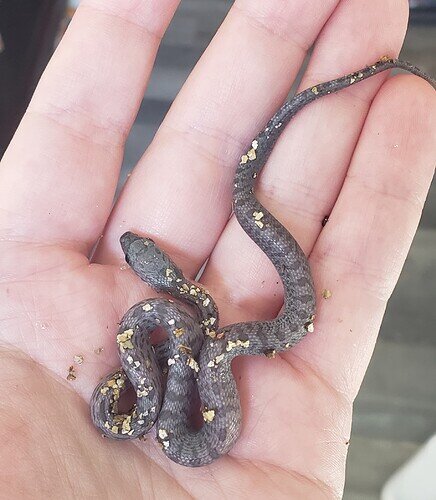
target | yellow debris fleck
x=238, y=343
x=244, y=160
x=219, y=358
x=193, y=364
x=78, y=358
x=252, y=154
x=271, y=354
x=208, y=415
x=122, y=337
x=142, y=392
x=71, y=374
x=210, y=333
x=163, y=434
x=178, y=332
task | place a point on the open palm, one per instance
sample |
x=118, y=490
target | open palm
x=364, y=156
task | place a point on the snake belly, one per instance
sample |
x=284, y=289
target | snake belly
x=198, y=354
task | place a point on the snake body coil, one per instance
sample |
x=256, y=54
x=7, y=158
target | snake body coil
x=198, y=354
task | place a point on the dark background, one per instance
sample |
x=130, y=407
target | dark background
x=28, y=29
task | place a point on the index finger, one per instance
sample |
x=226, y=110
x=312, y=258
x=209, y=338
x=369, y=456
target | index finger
x=59, y=174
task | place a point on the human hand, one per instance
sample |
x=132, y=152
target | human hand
x=368, y=164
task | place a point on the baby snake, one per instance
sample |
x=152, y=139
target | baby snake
x=198, y=353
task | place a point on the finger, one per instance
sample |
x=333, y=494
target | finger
x=360, y=254
x=322, y=138
x=306, y=169
x=184, y=180
x=59, y=174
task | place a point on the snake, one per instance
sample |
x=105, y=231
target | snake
x=192, y=367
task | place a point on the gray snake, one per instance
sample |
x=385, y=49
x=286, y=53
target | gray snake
x=198, y=353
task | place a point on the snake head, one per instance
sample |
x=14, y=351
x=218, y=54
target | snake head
x=146, y=259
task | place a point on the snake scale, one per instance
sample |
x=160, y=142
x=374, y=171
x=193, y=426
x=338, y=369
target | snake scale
x=198, y=353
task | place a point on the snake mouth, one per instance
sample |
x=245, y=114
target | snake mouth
x=128, y=239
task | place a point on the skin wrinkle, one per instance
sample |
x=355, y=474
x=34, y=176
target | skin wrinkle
x=242, y=301
x=60, y=461
x=37, y=272
x=192, y=135
x=156, y=37
x=210, y=476
x=380, y=289
x=132, y=10
x=169, y=467
x=313, y=481
x=217, y=484
x=412, y=199
x=144, y=488
x=62, y=244
x=107, y=137
x=268, y=478
x=258, y=419
x=115, y=130
x=274, y=195
x=342, y=397
x=349, y=379
x=232, y=487
x=271, y=25
x=264, y=474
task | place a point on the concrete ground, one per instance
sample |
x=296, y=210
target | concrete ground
x=396, y=407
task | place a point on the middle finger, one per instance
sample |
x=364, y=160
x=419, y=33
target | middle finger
x=183, y=182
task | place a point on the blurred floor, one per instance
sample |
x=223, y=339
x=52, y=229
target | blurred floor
x=396, y=408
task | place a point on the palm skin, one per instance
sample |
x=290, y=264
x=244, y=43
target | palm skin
x=364, y=156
